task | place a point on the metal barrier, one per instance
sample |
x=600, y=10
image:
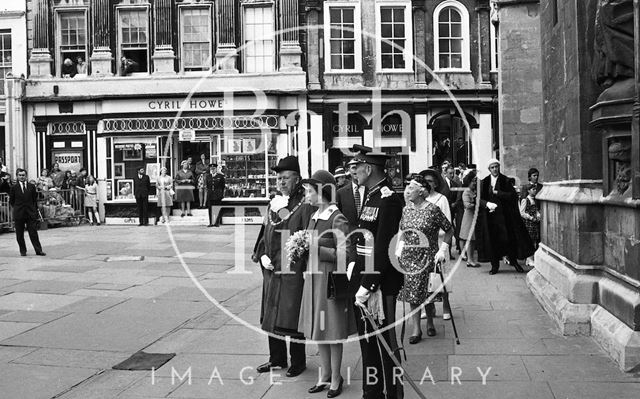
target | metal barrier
x=6, y=215
x=61, y=207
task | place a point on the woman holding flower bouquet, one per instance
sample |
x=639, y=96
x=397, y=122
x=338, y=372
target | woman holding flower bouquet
x=326, y=314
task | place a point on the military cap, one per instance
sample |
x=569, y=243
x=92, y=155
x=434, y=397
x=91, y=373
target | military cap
x=366, y=154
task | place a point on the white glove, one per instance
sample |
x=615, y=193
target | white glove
x=399, y=248
x=362, y=296
x=441, y=255
x=350, y=267
x=266, y=262
x=491, y=206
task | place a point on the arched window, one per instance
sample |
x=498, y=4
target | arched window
x=451, y=37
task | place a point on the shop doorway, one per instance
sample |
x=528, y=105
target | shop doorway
x=450, y=141
x=194, y=149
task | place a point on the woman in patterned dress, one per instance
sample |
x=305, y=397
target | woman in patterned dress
x=530, y=214
x=418, y=258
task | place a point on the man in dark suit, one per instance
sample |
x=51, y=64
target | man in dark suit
x=454, y=196
x=23, y=199
x=347, y=196
x=141, y=188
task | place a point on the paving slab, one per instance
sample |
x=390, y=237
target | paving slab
x=73, y=358
x=11, y=328
x=38, y=382
x=38, y=302
x=204, y=389
x=575, y=368
x=49, y=287
x=594, y=390
x=9, y=353
x=92, y=305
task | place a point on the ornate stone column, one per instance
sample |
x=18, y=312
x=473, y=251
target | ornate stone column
x=290, y=51
x=101, y=58
x=40, y=60
x=420, y=35
x=163, y=54
x=313, y=9
x=227, y=53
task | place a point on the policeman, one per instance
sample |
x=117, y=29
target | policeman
x=377, y=225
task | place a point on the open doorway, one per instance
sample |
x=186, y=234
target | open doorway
x=450, y=141
x=194, y=149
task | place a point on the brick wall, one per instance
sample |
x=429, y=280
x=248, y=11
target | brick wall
x=520, y=89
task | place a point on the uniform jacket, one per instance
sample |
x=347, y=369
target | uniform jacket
x=347, y=204
x=215, y=185
x=24, y=204
x=141, y=186
x=282, y=292
x=380, y=216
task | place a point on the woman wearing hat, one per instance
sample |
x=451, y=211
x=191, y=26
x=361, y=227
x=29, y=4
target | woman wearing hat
x=417, y=259
x=318, y=309
x=164, y=187
x=184, y=187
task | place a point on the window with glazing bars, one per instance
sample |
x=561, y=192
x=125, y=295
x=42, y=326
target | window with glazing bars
x=73, y=43
x=393, y=37
x=259, y=50
x=134, y=40
x=450, y=38
x=5, y=56
x=342, y=40
x=196, y=39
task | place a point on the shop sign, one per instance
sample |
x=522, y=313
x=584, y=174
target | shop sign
x=353, y=128
x=393, y=125
x=193, y=104
x=68, y=160
x=187, y=135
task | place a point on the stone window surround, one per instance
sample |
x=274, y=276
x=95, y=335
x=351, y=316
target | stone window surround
x=466, y=49
x=408, y=48
x=357, y=34
x=212, y=30
x=58, y=11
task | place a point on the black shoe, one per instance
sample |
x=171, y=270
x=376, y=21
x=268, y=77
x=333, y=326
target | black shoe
x=415, y=339
x=295, y=371
x=332, y=393
x=473, y=264
x=210, y=225
x=492, y=272
x=518, y=268
x=319, y=387
x=268, y=366
x=23, y=254
x=431, y=331
x=41, y=254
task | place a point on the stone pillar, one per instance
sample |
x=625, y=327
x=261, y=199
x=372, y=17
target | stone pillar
x=163, y=55
x=40, y=61
x=227, y=53
x=484, y=39
x=290, y=51
x=420, y=34
x=314, y=56
x=101, y=58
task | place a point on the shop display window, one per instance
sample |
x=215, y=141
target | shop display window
x=247, y=161
x=128, y=156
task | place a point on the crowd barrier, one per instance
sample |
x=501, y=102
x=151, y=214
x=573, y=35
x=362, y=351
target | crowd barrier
x=6, y=216
x=61, y=207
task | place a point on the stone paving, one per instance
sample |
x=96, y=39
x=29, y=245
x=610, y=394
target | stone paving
x=104, y=293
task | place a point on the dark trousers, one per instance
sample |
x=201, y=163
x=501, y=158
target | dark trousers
x=377, y=371
x=143, y=209
x=512, y=255
x=278, y=351
x=210, y=204
x=33, y=234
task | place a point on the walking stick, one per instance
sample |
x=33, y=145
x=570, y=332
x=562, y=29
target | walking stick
x=444, y=289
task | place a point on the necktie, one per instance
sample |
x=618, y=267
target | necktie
x=22, y=187
x=358, y=200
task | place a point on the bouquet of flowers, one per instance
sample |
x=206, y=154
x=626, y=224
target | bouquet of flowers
x=297, y=246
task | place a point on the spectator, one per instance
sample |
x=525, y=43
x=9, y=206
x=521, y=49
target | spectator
x=164, y=188
x=81, y=181
x=533, y=175
x=128, y=66
x=419, y=260
x=530, y=213
x=341, y=176
x=3, y=167
x=91, y=200
x=141, y=188
x=461, y=150
x=23, y=199
x=57, y=175
x=184, y=188
x=505, y=233
x=469, y=197
x=202, y=167
x=5, y=182
x=81, y=66
x=68, y=69
x=454, y=196
x=44, y=182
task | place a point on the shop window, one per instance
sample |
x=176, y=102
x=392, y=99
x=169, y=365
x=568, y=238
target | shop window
x=451, y=36
x=247, y=160
x=343, y=36
x=259, y=39
x=5, y=56
x=133, y=41
x=195, y=36
x=130, y=154
x=394, y=30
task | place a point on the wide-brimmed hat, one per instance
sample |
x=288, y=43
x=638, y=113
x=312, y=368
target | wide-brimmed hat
x=322, y=178
x=287, y=163
x=436, y=176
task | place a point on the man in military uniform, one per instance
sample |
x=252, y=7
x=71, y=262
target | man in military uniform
x=379, y=220
x=282, y=285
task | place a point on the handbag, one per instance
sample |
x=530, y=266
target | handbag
x=338, y=286
x=435, y=282
x=172, y=192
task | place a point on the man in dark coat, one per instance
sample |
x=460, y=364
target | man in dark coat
x=504, y=232
x=141, y=188
x=283, y=284
x=380, y=218
x=23, y=199
x=346, y=198
x=215, y=183
x=454, y=196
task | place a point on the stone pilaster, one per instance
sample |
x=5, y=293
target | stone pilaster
x=483, y=10
x=314, y=56
x=163, y=54
x=227, y=52
x=420, y=35
x=40, y=60
x=290, y=51
x=101, y=57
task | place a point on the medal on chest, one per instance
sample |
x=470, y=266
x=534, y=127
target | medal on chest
x=369, y=214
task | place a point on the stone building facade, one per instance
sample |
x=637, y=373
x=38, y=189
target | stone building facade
x=587, y=273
